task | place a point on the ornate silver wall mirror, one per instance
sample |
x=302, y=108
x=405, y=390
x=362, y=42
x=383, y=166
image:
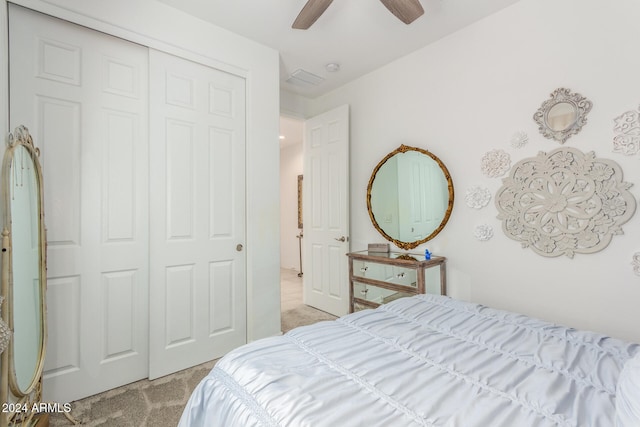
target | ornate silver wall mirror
x=409, y=196
x=562, y=115
x=23, y=275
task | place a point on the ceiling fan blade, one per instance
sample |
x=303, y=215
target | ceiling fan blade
x=310, y=13
x=405, y=10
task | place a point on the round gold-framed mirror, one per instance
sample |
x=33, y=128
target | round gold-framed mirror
x=410, y=196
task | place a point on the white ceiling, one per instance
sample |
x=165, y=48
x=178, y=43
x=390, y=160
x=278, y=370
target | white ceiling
x=360, y=35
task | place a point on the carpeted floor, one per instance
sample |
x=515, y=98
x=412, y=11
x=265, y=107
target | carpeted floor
x=143, y=403
x=294, y=313
x=159, y=403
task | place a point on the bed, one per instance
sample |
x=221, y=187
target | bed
x=427, y=360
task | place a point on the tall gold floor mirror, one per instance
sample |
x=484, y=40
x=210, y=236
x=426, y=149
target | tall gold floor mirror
x=23, y=283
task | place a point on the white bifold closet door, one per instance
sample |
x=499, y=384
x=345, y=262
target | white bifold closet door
x=83, y=96
x=198, y=270
x=142, y=232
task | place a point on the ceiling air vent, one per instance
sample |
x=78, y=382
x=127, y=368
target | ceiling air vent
x=304, y=78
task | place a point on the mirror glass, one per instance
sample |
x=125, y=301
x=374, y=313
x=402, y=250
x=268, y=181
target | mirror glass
x=410, y=196
x=25, y=245
x=561, y=116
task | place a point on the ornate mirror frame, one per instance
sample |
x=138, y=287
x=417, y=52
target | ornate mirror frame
x=447, y=214
x=581, y=107
x=12, y=390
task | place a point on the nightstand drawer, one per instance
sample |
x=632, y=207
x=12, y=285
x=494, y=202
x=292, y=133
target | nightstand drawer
x=358, y=306
x=385, y=273
x=377, y=294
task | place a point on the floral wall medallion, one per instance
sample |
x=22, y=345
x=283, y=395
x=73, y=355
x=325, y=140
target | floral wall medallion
x=477, y=197
x=483, y=232
x=563, y=115
x=564, y=202
x=495, y=163
x=519, y=139
x=627, y=129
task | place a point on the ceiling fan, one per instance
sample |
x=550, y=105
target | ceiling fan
x=405, y=10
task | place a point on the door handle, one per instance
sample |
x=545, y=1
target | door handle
x=341, y=239
x=239, y=247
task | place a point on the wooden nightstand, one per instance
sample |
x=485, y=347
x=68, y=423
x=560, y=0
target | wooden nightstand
x=377, y=278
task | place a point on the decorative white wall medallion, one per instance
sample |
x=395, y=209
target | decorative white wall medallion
x=483, y=232
x=495, y=163
x=519, y=139
x=477, y=197
x=564, y=202
x=636, y=263
x=627, y=130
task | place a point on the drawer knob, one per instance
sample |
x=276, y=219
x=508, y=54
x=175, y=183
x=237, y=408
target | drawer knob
x=400, y=274
x=363, y=269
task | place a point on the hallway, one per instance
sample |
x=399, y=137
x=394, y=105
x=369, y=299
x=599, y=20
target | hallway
x=294, y=312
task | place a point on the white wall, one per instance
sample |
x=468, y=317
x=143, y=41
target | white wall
x=294, y=105
x=291, y=166
x=159, y=26
x=469, y=93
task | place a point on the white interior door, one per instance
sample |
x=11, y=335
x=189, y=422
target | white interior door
x=326, y=211
x=83, y=96
x=198, y=265
x=420, y=212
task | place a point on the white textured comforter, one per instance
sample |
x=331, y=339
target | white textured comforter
x=427, y=360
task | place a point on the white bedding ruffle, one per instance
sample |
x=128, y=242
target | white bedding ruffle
x=427, y=361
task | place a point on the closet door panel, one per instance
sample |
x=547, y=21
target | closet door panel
x=119, y=196
x=62, y=174
x=120, y=302
x=180, y=180
x=84, y=95
x=63, y=349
